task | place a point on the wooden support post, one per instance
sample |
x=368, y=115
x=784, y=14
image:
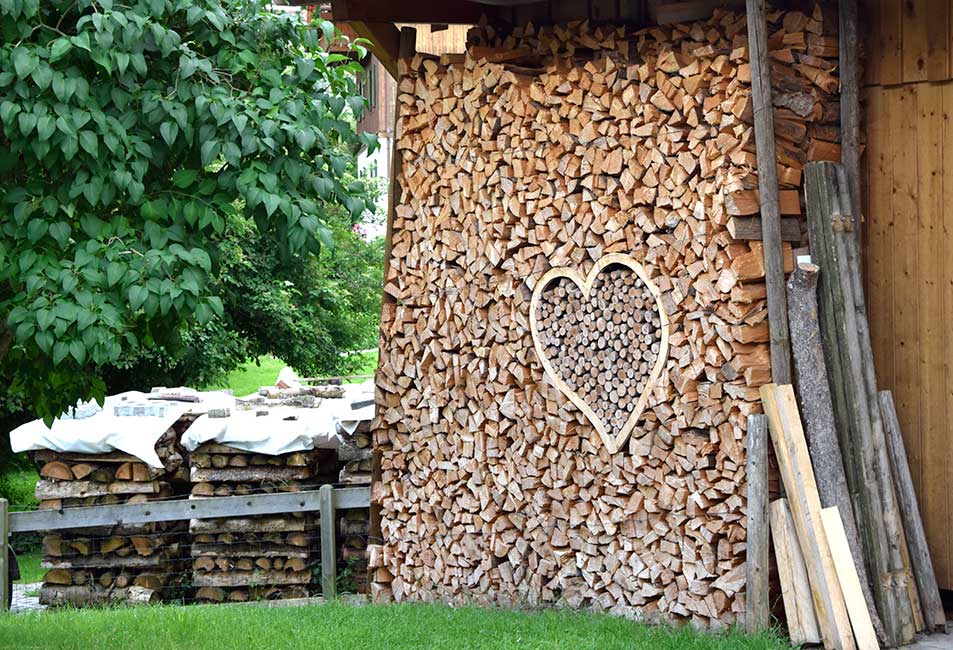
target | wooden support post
x=810, y=368
x=849, y=49
x=768, y=190
x=329, y=572
x=758, y=609
x=4, y=559
x=933, y=614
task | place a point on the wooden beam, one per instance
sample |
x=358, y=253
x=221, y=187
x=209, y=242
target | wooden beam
x=385, y=42
x=922, y=565
x=792, y=574
x=184, y=509
x=768, y=190
x=328, y=547
x=790, y=447
x=758, y=607
x=409, y=11
x=849, y=49
x=749, y=229
x=4, y=559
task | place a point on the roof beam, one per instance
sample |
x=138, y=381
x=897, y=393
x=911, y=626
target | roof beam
x=385, y=42
x=409, y=11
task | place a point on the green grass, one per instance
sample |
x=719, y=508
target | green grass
x=251, y=376
x=17, y=488
x=30, y=570
x=343, y=627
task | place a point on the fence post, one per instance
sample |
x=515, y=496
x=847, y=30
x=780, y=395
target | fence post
x=4, y=557
x=328, y=547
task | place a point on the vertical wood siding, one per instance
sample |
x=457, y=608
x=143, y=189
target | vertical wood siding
x=909, y=257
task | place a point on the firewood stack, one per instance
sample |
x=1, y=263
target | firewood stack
x=132, y=563
x=354, y=455
x=551, y=147
x=258, y=557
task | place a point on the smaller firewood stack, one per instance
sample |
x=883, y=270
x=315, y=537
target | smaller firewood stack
x=259, y=557
x=136, y=563
x=355, y=454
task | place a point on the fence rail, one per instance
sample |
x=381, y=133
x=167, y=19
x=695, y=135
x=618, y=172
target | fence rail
x=326, y=500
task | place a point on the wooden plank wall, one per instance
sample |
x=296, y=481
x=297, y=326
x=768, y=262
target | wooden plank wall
x=909, y=241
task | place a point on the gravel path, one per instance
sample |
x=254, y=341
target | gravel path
x=22, y=602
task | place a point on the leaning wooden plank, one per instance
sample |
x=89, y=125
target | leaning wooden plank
x=80, y=489
x=248, y=474
x=768, y=189
x=242, y=578
x=810, y=369
x=795, y=587
x=757, y=607
x=920, y=560
x=794, y=464
x=850, y=583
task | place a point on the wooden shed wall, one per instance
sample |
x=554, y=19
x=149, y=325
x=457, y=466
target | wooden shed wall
x=909, y=242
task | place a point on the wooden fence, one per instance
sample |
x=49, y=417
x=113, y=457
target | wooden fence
x=327, y=500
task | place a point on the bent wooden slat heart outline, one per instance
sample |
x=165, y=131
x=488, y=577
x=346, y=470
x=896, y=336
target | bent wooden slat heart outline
x=612, y=442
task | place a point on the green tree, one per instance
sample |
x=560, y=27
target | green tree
x=132, y=136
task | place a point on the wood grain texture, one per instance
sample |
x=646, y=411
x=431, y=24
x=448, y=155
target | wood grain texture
x=801, y=617
x=757, y=604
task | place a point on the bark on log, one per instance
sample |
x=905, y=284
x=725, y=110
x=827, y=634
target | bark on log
x=817, y=414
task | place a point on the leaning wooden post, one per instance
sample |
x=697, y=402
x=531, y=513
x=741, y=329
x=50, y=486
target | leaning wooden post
x=813, y=388
x=850, y=104
x=912, y=523
x=4, y=560
x=329, y=569
x=768, y=190
x=757, y=607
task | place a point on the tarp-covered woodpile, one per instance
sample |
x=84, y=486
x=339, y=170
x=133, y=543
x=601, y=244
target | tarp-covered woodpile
x=554, y=147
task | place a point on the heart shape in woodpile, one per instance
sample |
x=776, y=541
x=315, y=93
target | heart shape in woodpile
x=603, y=341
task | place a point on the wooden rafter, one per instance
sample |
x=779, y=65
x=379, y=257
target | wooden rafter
x=385, y=42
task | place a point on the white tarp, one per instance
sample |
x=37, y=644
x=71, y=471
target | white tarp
x=128, y=422
x=274, y=433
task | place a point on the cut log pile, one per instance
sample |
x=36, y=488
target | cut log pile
x=263, y=557
x=550, y=147
x=140, y=563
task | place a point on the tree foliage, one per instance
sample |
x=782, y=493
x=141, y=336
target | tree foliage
x=133, y=136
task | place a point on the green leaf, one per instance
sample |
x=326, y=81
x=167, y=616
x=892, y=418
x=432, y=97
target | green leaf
x=27, y=122
x=210, y=149
x=114, y=273
x=137, y=296
x=59, y=48
x=60, y=232
x=168, y=131
x=78, y=351
x=60, y=350
x=81, y=41
x=45, y=127
x=184, y=178
x=24, y=61
x=89, y=143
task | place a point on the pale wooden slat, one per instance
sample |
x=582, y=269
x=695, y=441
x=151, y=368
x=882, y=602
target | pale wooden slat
x=792, y=574
x=942, y=548
x=850, y=584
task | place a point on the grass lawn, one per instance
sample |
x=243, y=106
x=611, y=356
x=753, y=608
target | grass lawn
x=30, y=570
x=17, y=487
x=343, y=627
x=251, y=376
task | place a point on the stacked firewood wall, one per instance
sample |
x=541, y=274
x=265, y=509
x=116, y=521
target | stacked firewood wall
x=355, y=462
x=130, y=563
x=258, y=557
x=550, y=147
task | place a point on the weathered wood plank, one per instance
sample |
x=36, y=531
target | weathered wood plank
x=768, y=189
x=792, y=574
x=81, y=489
x=249, y=578
x=921, y=561
x=249, y=474
x=124, y=514
x=749, y=228
x=758, y=608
